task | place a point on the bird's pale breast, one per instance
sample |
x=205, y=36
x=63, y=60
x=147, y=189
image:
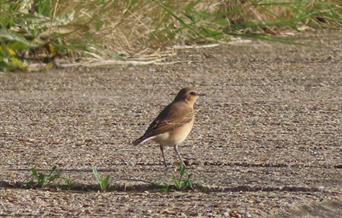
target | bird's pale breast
x=176, y=136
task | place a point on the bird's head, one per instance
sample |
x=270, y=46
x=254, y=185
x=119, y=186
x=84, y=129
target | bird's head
x=188, y=95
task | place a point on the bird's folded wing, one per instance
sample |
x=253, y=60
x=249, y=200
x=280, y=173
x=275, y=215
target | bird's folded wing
x=173, y=116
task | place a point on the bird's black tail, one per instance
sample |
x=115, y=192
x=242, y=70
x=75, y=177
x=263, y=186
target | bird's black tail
x=138, y=141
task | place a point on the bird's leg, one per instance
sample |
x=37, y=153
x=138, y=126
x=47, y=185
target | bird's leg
x=178, y=154
x=162, y=151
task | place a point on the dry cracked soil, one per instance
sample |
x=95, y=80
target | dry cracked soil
x=267, y=140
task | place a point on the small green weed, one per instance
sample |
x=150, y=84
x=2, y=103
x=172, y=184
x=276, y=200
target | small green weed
x=164, y=187
x=184, y=180
x=40, y=179
x=103, y=181
x=181, y=182
x=69, y=183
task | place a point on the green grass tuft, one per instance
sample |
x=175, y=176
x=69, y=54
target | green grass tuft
x=39, y=179
x=183, y=181
x=103, y=181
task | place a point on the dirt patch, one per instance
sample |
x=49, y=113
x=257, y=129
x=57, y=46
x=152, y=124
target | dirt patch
x=267, y=139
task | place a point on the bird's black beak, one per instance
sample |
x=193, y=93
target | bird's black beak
x=201, y=94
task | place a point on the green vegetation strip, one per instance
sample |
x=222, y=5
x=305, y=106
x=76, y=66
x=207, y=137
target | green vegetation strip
x=34, y=33
x=182, y=182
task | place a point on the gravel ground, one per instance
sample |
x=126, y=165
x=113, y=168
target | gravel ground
x=267, y=141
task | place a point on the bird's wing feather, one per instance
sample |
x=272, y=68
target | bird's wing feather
x=173, y=116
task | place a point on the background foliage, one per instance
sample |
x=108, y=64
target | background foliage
x=38, y=31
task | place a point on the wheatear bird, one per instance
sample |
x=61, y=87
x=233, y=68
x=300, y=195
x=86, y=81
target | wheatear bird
x=173, y=124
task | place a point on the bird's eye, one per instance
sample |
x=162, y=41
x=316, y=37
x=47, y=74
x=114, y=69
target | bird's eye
x=193, y=93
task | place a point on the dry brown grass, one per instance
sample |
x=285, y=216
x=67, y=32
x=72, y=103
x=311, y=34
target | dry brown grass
x=125, y=29
x=131, y=28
